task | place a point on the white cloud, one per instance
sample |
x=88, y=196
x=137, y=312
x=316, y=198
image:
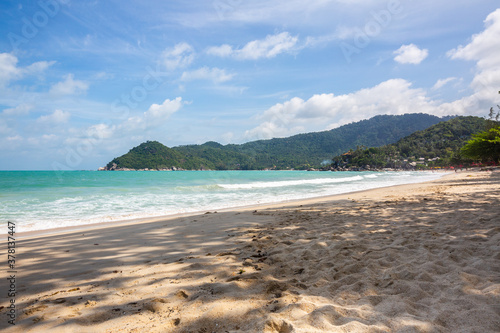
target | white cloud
x=484, y=49
x=104, y=76
x=268, y=47
x=9, y=70
x=224, y=50
x=69, y=86
x=5, y=130
x=20, y=110
x=57, y=117
x=155, y=116
x=38, y=67
x=312, y=41
x=227, y=137
x=164, y=110
x=484, y=46
x=49, y=137
x=214, y=74
x=326, y=111
x=410, y=54
x=100, y=131
x=15, y=138
x=442, y=82
x=180, y=56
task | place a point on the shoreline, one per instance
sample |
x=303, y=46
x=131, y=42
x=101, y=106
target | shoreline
x=419, y=257
x=161, y=218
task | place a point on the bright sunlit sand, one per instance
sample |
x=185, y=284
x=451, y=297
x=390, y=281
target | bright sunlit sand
x=411, y=258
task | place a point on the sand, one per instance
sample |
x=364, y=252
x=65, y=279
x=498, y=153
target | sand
x=412, y=258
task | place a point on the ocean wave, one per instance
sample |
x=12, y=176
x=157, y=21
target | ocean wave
x=285, y=183
x=198, y=188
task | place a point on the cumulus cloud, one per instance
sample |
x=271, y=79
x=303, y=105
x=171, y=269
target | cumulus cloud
x=484, y=46
x=268, y=47
x=410, y=54
x=57, y=117
x=69, y=86
x=9, y=70
x=180, y=56
x=164, y=110
x=484, y=49
x=155, y=116
x=100, y=131
x=328, y=111
x=214, y=74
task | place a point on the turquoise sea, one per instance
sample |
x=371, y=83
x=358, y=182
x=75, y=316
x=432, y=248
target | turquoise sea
x=37, y=200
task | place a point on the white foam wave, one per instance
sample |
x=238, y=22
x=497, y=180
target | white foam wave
x=209, y=187
x=285, y=183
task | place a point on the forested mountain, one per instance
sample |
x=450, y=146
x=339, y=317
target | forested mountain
x=438, y=145
x=299, y=151
x=153, y=155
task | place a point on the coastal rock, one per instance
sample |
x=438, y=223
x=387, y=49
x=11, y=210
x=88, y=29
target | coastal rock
x=113, y=167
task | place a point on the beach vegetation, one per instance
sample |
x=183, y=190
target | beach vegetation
x=485, y=146
x=437, y=146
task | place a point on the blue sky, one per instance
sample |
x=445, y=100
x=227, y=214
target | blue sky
x=82, y=82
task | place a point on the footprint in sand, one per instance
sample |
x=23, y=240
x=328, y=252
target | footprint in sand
x=181, y=294
x=278, y=326
x=35, y=309
x=90, y=303
x=156, y=305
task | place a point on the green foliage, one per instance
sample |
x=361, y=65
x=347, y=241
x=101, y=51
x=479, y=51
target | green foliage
x=484, y=146
x=215, y=157
x=151, y=155
x=440, y=143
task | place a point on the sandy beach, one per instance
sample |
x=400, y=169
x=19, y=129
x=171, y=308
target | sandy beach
x=411, y=258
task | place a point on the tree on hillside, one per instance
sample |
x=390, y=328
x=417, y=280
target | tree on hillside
x=494, y=120
x=485, y=146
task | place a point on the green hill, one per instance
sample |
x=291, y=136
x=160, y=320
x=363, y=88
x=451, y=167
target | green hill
x=299, y=151
x=439, y=143
x=152, y=155
x=311, y=149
